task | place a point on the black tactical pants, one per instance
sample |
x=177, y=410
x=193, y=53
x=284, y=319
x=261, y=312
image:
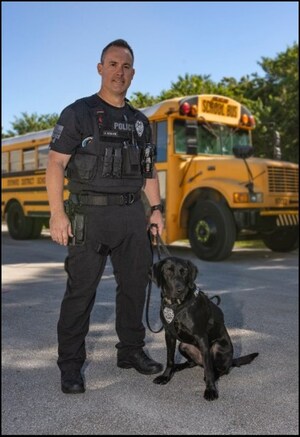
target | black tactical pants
x=122, y=230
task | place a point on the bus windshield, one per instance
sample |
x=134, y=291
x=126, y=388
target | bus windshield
x=213, y=138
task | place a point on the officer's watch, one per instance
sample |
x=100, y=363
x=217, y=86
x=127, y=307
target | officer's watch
x=160, y=208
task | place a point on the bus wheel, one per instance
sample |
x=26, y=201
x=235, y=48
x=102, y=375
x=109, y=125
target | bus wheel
x=37, y=226
x=19, y=226
x=282, y=240
x=212, y=230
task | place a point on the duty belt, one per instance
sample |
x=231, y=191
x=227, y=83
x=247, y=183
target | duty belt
x=105, y=199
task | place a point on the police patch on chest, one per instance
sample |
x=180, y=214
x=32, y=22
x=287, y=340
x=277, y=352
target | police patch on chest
x=168, y=314
x=139, y=127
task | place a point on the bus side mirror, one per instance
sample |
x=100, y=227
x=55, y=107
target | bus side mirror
x=242, y=152
x=191, y=134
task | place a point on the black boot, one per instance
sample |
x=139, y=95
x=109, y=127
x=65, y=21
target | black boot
x=72, y=382
x=140, y=362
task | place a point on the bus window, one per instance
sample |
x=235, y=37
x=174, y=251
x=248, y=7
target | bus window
x=42, y=156
x=209, y=140
x=179, y=136
x=230, y=137
x=29, y=159
x=5, y=162
x=161, y=140
x=241, y=138
x=15, y=160
x=213, y=138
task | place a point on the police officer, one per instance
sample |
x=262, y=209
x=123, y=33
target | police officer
x=102, y=144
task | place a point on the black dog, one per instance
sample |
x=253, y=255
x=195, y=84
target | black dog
x=188, y=315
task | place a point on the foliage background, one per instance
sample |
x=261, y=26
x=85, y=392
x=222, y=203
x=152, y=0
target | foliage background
x=273, y=99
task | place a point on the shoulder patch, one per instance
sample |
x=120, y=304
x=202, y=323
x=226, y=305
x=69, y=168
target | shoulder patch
x=57, y=132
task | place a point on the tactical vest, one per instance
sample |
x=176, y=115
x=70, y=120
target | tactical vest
x=109, y=158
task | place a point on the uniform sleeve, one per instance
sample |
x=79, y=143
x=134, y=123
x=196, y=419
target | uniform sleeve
x=148, y=132
x=66, y=136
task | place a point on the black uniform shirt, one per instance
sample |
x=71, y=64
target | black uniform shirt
x=76, y=123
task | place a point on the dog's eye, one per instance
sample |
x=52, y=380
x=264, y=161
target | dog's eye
x=183, y=271
x=170, y=269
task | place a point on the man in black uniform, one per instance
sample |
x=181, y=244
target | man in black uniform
x=103, y=145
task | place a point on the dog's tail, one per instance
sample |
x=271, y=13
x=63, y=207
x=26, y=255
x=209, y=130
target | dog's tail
x=237, y=362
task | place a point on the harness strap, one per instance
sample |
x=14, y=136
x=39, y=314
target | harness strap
x=171, y=312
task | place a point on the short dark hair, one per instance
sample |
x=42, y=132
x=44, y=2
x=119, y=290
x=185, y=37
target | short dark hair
x=117, y=43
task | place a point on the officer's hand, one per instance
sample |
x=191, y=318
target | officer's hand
x=60, y=228
x=156, y=218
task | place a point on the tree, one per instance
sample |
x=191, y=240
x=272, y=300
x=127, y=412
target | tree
x=189, y=85
x=31, y=123
x=281, y=95
x=274, y=101
x=140, y=100
x=272, y=98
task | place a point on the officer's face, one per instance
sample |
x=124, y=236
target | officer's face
x=116, y=70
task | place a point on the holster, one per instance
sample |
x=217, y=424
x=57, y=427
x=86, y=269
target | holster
x=78, y=224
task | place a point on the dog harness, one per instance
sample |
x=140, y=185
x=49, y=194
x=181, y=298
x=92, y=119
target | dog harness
x=171, y=311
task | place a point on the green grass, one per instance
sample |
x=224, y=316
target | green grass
x=250, y=244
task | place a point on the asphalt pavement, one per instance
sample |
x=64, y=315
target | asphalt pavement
x=259, y=298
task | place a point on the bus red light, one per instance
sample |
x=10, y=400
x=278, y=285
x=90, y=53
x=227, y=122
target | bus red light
x=252, y=120
x=185, y=108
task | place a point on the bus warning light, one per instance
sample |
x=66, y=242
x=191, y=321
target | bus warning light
x=185, y=108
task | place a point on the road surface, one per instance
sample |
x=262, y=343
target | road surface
x=259, y=292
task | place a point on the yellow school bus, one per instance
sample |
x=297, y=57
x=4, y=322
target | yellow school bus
x=24, y=197
x=215, y=192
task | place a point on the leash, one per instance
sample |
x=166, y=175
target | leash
x=156, y=241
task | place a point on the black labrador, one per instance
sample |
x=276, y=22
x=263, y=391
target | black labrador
x=190, y=316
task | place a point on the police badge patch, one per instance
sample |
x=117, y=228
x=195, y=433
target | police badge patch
x=168, y=314
x=139, y=127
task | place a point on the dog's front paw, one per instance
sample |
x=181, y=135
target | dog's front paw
x=161, y=379
x=211, y=394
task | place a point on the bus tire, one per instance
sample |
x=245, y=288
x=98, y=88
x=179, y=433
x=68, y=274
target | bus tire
x=37, y=226
x=19, y=226
x=212, y=230
x=282, y=240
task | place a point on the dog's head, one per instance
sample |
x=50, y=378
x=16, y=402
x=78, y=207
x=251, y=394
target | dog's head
x=175, y=276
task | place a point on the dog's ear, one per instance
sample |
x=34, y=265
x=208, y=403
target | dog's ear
x=193, y=272
x=156, y=273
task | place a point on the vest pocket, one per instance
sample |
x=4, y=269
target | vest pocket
x=131, y=161
x=82, y=166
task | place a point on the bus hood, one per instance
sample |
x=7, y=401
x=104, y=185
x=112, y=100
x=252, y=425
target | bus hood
x=266, y=175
